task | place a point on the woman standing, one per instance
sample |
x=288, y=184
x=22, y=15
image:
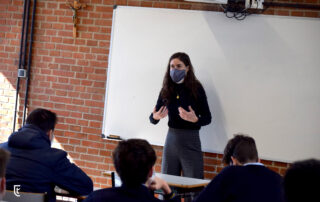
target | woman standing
x=183, y=98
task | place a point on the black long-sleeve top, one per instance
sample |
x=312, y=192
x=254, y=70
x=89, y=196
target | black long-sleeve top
x=184, y=99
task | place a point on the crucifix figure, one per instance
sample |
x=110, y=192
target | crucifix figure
x=75, y=7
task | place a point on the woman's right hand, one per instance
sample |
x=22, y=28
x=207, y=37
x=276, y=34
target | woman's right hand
x=161, y=113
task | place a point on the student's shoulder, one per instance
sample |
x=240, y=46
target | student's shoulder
x=105, y=191
x=230, y=169
x=51, y=155
x=241, y=171
x=272, y=173
x=261, y=170
x=59, y=153
x=228, y=172
x=107, y=194
x=249, y=170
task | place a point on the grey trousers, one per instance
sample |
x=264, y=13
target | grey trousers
x=182, y=153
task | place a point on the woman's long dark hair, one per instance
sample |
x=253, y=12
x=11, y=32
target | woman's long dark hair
x=190, y=81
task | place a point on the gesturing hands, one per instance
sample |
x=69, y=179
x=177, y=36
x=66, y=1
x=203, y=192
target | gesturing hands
x=188, y=116
x=161, y=113
x=185, y=115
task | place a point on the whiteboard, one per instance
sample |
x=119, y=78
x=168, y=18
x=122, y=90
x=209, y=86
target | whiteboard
x=261, y=76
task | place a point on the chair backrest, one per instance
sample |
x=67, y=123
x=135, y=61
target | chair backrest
x=10, y=196
x=115, y=179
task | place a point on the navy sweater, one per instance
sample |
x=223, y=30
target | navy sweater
x=37, y=167
x=184, y=99
x=251, y=183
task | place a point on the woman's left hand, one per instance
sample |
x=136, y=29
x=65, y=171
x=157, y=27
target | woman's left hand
x=188, y=116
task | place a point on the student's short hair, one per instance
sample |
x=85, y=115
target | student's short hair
x=44, y=119
x=4, y=157
x=301, y=181
x=241, y=147
x=133, y=160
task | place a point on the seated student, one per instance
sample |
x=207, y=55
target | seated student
x=4, y=156
x=133, y=160
x=37, y=167
x=301, y=181
x=246, y=180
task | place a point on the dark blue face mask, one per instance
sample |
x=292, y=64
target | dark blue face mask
x=177, y=75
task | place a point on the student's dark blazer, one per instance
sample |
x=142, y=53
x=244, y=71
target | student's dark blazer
x=37, y=167
x=250, y=183
x=125, y=194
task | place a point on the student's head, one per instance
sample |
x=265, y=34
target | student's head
x=178, y=63
x=239, y=150
x=134, y=160
x=44, y=119
x=301, y=181
x=4, y=157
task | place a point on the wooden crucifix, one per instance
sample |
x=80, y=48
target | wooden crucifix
x=75, y=7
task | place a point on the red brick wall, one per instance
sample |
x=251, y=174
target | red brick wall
x=69, y=75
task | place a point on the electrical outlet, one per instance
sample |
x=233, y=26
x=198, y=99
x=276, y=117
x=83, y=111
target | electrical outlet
x=257, y=4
